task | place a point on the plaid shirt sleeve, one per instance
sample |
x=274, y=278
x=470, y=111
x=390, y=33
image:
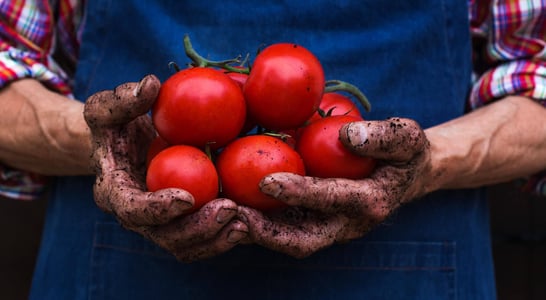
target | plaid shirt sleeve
x=38, y=39
x=509, y=49
x=509, y=39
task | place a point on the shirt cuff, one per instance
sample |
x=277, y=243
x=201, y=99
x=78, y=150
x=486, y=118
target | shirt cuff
x=523, y=77
x=535, y=184
x=20, y=185
x=17, y=64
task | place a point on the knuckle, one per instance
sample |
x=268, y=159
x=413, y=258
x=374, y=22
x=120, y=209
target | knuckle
x=301, y=253
x=189, y=256
x=375, y=208
x=161, y=240
x=379, y=212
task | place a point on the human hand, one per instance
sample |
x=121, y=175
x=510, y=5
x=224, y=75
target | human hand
x=326, y=211
x=121, y=134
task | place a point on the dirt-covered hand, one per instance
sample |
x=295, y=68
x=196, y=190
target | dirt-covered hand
x=121, y=133
x=326, y=211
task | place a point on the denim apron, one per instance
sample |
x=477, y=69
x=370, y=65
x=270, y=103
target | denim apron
x=411, y=58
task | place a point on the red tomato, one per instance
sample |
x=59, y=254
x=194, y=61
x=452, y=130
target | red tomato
x=284, y=87
x=199, y=106
x=290, y=137
x=187, y=168
x=240, y=78
x=158, y=144
x=244, y=162
x=336, y=104
x=325, y=156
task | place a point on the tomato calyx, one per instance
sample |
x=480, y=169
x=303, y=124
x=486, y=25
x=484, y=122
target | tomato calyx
x=343, y=86
x=329, y=113
x=199, y=61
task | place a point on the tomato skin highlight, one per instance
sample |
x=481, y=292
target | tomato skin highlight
x=246, y=161
x=187, y=168
x=199, y=106
x=284, y=87
x=325, y=156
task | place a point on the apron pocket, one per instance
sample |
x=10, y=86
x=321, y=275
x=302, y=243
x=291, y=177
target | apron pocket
x=126, y=266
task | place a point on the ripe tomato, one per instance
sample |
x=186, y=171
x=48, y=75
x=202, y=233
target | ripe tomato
x=240, y=78
x=325, y=156
x=336, y=104
x=187, y=168
x=199, y=106
x=284, y=87
x=244, y=162
x=158, y=144
x=290, y=137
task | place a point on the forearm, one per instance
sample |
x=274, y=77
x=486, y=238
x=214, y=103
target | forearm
x=42, y=131
x=502, y=141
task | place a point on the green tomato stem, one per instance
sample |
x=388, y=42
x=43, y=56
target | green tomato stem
x=338, y=85
x=208, y=151
x=283, y=136
x=174, y=66
x=200, y=61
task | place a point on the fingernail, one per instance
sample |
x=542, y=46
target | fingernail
x=180, y=201
x=356, y=134
x=235, y=236
x=241, y=216
x=271, y=187
x=225, y=214
x=138, y=87
x=185, y=204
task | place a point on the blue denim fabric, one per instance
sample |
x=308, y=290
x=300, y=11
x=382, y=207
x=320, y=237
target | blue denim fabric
x=411, y=58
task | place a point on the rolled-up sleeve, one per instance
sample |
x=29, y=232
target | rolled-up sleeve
x=509, y=50
x=509, y=43
x=28, y=43
x=41, y=42
x=522, y=77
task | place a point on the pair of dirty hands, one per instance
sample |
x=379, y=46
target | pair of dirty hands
x=322, y=212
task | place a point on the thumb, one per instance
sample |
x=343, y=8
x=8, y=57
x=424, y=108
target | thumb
x=394, y=139
x=122, y=105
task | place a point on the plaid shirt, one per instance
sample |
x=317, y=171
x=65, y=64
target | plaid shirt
x=41, y=38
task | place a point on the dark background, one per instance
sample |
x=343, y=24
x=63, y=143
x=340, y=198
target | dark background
x=518, y=225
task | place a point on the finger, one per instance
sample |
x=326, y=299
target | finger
x=395, y=139
x=123, y=104
x=229, y=237
x=195, y=228
x=125, y=147
x=329, y=195
x=368, y=198
x=301, y=239
x=121, y=195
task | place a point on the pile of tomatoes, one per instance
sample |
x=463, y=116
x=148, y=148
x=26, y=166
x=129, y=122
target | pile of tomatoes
x=222, y=129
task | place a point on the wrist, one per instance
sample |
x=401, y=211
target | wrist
x=42, y=131
x=502, y=141
x=445, y=156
